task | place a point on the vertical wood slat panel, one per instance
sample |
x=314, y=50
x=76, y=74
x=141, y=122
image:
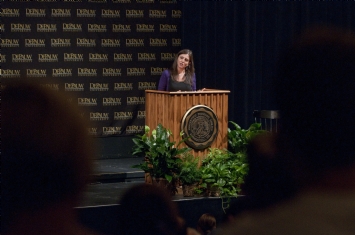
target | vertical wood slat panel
x=177, y=111
x=168, y=108
x=215, y=104
x=225, y=120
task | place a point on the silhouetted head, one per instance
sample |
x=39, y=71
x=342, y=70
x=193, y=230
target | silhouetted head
x=206, y=223
x=315, y=93
x=148, y=209
x=46, y=153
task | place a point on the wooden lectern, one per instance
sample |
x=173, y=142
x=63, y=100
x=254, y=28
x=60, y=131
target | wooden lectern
x=169, y=109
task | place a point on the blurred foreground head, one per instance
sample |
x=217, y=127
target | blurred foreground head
x=315, y=93
x=148, y=209
x=206, y=223
x=46, y=151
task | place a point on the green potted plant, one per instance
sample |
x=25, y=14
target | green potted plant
x=222, y=175
x=238, y=138
x=161, y=155
x=224, y=170
x=238, y=141
x=190, y=174
x=217, y=178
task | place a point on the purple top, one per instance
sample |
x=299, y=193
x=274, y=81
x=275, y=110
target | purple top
x=164, y=81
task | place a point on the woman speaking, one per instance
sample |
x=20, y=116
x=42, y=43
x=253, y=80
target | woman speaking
x=181, y=76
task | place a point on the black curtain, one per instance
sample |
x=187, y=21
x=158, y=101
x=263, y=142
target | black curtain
x=236, y=44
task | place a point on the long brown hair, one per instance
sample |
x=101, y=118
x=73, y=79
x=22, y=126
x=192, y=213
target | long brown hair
x=189, y=70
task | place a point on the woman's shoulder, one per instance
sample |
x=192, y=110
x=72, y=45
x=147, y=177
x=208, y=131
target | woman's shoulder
x=167, y=72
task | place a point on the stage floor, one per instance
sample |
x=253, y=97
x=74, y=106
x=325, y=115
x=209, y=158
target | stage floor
x=113, y=177
x=111, y=180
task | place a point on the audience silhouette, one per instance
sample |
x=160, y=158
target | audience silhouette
x=206, y=223
x=315, y=93
x=46, y=160
x=149, y=209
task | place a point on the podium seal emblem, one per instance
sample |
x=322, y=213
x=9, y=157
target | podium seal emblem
x=200, y=124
